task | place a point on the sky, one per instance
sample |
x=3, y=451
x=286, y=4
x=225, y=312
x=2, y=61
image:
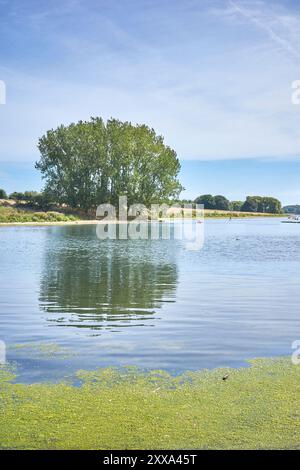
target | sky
x=214, y=77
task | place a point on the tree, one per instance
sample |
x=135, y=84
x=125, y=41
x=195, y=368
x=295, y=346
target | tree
x=272, y=205
x=221, y=203
x=293, y=209
x=236, y=205
x=3, y=194
x=91, y=162
x=252, y=204
x=213, y=202
x=17, y=196
x=207, y=200
x=31, y=197
x=36, y=199
x=262, y=204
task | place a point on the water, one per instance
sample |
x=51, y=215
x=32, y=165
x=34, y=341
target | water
x=153, y=304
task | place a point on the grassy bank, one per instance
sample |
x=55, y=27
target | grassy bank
x=208, y=213
x=16, y=215
x=256, y=407
x=226, y=214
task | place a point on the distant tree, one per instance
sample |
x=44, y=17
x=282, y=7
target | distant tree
x=272, y=205
x=91, y=162
x=184, y=201
x=33, y=198
x=17, y=196
x=207, y=200
x=221, y=203
x=292, y=209
x=213, y=202
x=36, y=199
x=43, y=200
x=30, y=197
x=262, y=204
x=3, y=194
x=251, y=204
x=236, y=205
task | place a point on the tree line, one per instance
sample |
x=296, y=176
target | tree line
x=36, y=199
x=43, y=200
x=91, y=162
x=262, y=204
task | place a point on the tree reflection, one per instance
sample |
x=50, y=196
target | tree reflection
x=95, y=284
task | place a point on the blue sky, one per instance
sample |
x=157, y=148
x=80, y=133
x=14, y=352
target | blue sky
x=214, y=77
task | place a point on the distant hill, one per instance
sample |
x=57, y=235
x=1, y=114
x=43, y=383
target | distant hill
x=292, y=209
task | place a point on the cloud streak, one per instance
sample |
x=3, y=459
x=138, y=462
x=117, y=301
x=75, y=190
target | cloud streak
x=214, y=81
x=283, y=29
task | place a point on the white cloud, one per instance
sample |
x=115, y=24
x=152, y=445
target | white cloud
x=216, y=82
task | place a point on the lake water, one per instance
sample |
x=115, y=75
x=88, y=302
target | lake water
x=70, y=301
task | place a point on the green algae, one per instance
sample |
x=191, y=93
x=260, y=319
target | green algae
x=43, y=350
x=256, y=407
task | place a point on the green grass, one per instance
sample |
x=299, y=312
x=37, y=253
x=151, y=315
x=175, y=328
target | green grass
x=256, y=407
x=13, y=215
x=10, y=215
x=220, y=214
x=225, y=214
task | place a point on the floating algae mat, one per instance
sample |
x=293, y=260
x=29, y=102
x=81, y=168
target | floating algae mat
x=43, y=350
x=255, y=407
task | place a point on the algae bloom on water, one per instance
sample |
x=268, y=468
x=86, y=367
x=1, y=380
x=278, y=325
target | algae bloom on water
x=256, y=407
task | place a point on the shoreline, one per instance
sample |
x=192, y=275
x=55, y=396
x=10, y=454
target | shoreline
x=95, y=222
x=41, y=224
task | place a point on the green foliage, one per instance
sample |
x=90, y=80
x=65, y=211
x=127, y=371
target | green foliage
x=17, y=196
x=34, y=199
x=293, y=209
x=262, y=204
x=221, y=203
x=256, y=407
x=12, y=215
x=91, y=162
x=30, y=196
x=3, y=194
x=252, y=204
x=236, y=205
x=224, y=215
x=39, y=200
x=213, y=202
x=207, y=200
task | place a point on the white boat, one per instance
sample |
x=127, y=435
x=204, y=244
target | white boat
x=292, y=220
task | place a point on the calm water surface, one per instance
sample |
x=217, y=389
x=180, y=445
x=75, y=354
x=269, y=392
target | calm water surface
x=70, y=301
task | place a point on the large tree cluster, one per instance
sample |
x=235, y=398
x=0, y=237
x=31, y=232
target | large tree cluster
x=92, y=162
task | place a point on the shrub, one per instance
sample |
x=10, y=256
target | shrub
x=12, y=215
x=3, y=194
